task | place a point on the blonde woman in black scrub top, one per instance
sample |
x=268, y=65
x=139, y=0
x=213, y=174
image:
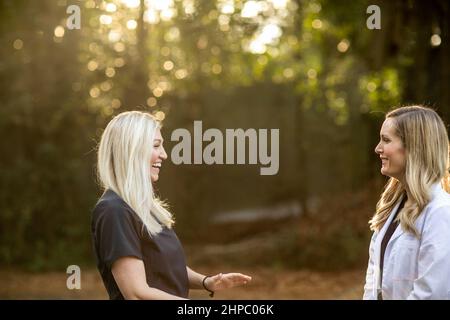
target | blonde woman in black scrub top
x=138, y=253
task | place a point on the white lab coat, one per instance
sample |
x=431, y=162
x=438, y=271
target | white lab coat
x=413, y=268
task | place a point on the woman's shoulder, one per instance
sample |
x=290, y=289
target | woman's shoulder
x=441, y=198
x=439, y=207
x=110, y=203
x=112, y=213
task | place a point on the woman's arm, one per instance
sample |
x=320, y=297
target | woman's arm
x=217, y=282
x=433, y=281
x=129, y=274
x=369, y=285
x=195, y=279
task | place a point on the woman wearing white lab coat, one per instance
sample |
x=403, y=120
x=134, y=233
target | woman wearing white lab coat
x=409, y=254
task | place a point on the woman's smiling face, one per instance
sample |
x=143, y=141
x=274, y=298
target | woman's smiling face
x=391, y=151
x=158, y=156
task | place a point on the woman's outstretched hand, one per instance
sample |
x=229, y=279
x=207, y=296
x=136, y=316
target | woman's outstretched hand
x=223, y=281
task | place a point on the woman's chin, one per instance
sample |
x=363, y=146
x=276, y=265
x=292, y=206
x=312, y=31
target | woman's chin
x=154, y=177
x=386, y=173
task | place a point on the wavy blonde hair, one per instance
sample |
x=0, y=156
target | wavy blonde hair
x=124, y=166
x=425, y=140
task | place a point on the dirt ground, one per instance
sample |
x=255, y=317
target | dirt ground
x=267, y=283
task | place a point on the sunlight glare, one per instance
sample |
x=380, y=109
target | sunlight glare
x=131, y=3
x=251, y=9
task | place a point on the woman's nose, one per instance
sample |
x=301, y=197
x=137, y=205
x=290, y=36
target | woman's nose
x=378, y=149
x=163, y=154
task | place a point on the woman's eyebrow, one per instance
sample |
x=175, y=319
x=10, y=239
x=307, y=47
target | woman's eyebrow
x=158, y=140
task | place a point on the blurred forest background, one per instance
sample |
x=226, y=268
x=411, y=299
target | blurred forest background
x=308, y=67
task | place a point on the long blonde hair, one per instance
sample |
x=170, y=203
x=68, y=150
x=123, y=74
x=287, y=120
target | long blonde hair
x=124, y=166
x=425, y=139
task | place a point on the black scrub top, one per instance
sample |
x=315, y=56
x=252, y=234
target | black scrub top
x=117, y=231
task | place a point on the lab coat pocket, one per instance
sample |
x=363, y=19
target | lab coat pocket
x=405, y=260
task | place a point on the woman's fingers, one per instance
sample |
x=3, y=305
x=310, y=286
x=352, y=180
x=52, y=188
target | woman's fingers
x=236, y=278
x=227, y=280
x=239, y=277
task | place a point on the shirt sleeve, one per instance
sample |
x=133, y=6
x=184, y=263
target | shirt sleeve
x=369, y=285
x=433, y=280
x=116, y=233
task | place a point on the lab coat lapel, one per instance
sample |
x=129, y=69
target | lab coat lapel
x=380, y=236
x=397, y=233
x=399, y=230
